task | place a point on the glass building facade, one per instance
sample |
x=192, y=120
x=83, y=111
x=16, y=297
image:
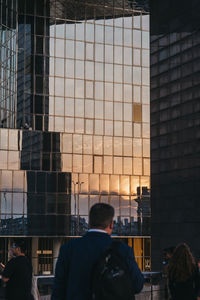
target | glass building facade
x=75, y=122
x=175, y=125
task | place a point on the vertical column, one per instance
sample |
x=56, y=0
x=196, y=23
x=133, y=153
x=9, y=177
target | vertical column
x=56, y=248
x=35, y=255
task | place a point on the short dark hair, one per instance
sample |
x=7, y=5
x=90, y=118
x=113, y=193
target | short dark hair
x=20, y=243
x=101, y=215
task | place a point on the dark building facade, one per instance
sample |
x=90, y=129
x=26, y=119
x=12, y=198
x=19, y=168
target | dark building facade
x=175, y=125
x=75, y=122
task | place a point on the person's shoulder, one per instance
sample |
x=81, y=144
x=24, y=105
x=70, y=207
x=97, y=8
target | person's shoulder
x=124, y=249
x=70, y=244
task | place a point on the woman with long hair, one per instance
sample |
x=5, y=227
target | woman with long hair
x=183, y=275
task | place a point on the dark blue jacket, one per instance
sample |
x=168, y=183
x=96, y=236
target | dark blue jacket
x=75, y=262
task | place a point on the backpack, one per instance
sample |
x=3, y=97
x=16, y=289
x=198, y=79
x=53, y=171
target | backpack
x=111, y=278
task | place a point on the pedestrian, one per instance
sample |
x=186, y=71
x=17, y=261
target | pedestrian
x=78, y=258
x=167, y=254
x=183, y=275
x=18, y=273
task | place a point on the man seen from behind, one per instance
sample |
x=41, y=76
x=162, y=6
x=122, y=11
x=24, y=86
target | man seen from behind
x=77, y=258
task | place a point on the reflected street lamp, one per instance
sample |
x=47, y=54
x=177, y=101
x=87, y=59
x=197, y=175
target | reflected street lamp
x=77, y=184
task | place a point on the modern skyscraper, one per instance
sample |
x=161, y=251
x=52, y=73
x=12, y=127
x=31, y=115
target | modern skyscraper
x=75, y=121
x=175, y=125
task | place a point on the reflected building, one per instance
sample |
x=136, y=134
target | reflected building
x=175, y=125
x=75, y=121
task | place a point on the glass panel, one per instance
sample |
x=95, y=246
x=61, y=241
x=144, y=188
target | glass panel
x=117, y=165
x=94, y=183
x=108, y=110
x=108, y=54
x=145, y=39
x=107, y=164
x=146, y=147
x=137, y=130
x=59, y=106
x=137, y=147
x=128, y=129
x=99, y=52
x=98, y=145
x=99, y=127
x=13, y=160
x=97, y=164
x=89, y=127
x=117, y=92
x=69, y=68
x=69, y=49
x=128, y=56
x=18, y=180
x=4, y=139
x=99, y=68
x=109, y=91
x=128, y=112
x=137, y=57
x=108, y=127
x=79, y=108
x=137, y=21
x=99, y=90
x=77, y=163
x=83, y=205
x=137, y=166
x=3, y=159
x=108, y=35
x=127, y=147
x=136, y=75
x=80, y=50
x=83, y=178
x=99, y=34
x=137, y=113
x=137, y=94
x=87, y=164
x=114, y=184
x=66, y=162
x=107, y=145
x=104, y=181
x=117, y=146
x=137, y=39
x=69, y=87
x=118, y=128
x=125, y=185
x=118, y=54
x=89, y=108
x=80, y=69
x=146, y=163
x=13, y=140
x=99, y=109
x=77, y=143
x=118, y=111
x=128, y=37
x=89, y=89
x=146, y=113
x=87, y=144
x=128, y=165
x=69, y=124
x=125, y=206
x=69, y=107
x=135, y=182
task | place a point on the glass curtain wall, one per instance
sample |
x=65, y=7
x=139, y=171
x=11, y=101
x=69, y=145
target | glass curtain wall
x=82, y=124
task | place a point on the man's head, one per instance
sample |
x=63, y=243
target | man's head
x=18, y=247
x=101, y=217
